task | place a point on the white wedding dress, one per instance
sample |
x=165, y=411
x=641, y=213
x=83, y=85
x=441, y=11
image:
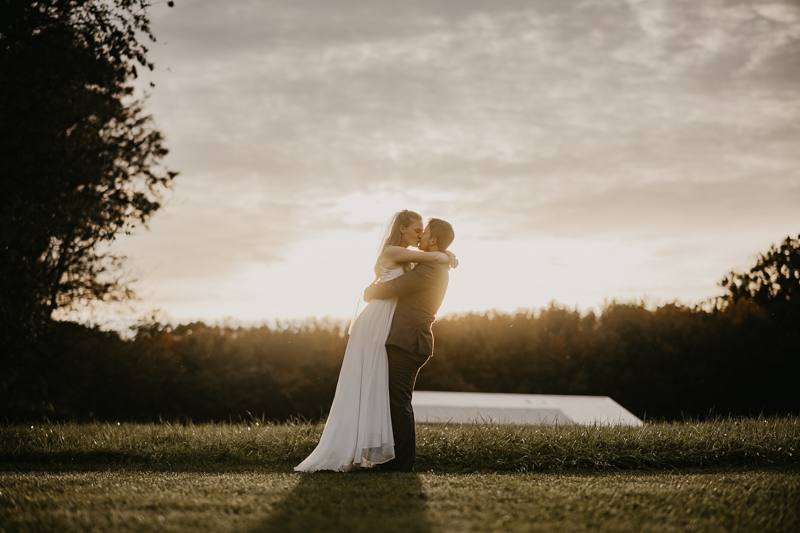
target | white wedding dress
x=358, y=432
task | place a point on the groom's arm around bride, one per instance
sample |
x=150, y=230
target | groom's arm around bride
x=420, y=293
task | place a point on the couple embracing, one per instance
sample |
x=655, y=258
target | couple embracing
x=371, y=420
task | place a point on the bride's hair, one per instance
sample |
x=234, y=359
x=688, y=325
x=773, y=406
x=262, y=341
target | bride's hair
x=404, y=218
x=393, y=236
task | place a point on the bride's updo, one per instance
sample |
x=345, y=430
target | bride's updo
x=393, y=237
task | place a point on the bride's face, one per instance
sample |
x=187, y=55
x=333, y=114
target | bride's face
x=409, y=235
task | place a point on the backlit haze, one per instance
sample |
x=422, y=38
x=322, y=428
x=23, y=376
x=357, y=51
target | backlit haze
x=583, y=150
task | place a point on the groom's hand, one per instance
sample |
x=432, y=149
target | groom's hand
x=368, y=295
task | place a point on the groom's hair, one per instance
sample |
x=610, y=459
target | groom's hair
x=443, y=232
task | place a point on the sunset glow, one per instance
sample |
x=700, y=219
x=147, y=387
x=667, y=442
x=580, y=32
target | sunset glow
x=582, y=151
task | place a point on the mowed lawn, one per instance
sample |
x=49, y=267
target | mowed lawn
x=124, y=500
x=163, y=477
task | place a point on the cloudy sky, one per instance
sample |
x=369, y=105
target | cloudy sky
x=583, y=150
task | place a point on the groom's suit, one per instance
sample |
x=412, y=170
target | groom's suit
x=409, y=346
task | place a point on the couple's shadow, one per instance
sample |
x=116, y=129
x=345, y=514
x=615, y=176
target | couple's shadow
x=361, y=501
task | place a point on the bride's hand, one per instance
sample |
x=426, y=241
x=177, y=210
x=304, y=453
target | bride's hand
x=452, y=261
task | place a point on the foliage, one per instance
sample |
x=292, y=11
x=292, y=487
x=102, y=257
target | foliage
x=81, y=162
x=191, y=371
x=666, y=363
x=773, y=283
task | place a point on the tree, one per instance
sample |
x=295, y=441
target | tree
x=773, y=283
x=80, y=162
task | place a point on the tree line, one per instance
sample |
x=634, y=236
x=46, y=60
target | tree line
x=735, y=355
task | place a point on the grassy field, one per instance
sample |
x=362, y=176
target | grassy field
x=725, y=475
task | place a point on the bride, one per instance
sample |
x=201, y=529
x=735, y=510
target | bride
x=358, y=432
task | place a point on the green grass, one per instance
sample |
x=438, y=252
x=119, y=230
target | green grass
x=443, y=448
x=723, y=475
x=761, y=500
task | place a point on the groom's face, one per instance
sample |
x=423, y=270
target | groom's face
x=425, y=240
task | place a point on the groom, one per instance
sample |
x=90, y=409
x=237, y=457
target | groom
x=410, y=344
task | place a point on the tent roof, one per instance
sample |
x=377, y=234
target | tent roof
x=524, y=409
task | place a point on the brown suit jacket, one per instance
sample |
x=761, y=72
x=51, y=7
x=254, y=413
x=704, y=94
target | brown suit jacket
x=420, y=293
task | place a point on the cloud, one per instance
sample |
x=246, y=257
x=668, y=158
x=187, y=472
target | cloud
x=658, y=210
x=652, y=119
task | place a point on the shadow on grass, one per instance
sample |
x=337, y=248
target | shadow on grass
x=362, y=501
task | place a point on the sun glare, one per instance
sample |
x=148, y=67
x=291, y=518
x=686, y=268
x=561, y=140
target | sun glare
x=324, y=278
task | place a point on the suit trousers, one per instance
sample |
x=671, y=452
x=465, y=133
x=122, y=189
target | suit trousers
x=403, y=369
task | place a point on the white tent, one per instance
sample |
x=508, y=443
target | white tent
x=523, y=409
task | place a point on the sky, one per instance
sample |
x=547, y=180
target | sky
x=584, y=151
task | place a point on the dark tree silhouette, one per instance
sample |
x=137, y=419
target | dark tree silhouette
x=773, y=283
x=79, y=160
